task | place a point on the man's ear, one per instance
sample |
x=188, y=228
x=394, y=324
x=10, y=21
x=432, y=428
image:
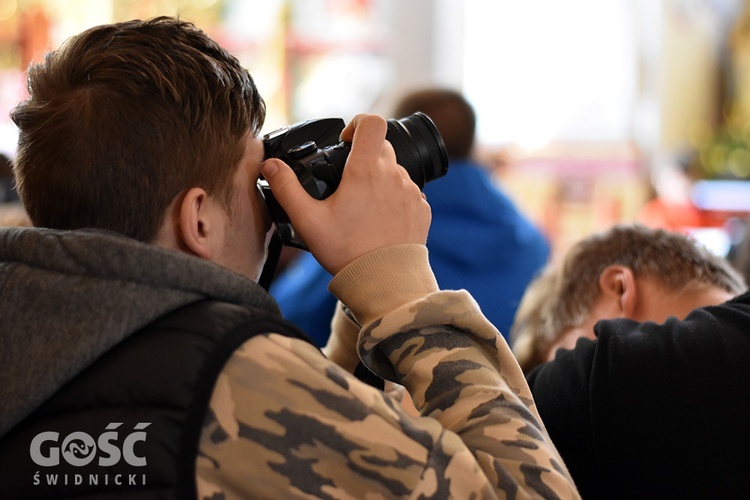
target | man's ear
x=617, y=285
x=194, y=222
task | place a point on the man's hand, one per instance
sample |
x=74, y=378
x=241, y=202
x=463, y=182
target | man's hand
x=376, y=205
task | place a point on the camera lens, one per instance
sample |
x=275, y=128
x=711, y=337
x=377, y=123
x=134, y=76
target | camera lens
x=419, y=147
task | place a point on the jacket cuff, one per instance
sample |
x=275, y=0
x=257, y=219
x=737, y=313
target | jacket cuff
x=384, y=280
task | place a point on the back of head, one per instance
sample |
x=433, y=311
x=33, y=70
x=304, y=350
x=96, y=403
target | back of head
x=123, y=118
x=563, y=296
x=452, y=114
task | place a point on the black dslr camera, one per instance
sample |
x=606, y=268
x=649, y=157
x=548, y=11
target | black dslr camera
x=314, y=151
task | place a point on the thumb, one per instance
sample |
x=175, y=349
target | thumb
x=285, y=186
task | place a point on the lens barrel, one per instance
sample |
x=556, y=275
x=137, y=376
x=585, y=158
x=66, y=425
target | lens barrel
x=419, y=147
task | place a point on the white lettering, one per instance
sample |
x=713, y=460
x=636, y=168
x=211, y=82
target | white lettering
x=106, y=446
x=36, y=449
x=79, y=448
x=127, y=450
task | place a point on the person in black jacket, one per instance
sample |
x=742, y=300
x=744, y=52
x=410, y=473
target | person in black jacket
x=650, y=408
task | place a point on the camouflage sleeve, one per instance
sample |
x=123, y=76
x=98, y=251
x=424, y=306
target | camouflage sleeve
x=287, y=422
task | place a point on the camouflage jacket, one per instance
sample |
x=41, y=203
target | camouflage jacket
x=287, y=422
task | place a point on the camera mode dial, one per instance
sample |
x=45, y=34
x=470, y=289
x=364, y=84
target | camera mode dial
x=302, y=150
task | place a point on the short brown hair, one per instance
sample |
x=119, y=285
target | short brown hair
x=453, y=115
x=123, y=118
x=562, y=296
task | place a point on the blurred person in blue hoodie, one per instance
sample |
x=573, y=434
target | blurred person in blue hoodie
x=479, y=240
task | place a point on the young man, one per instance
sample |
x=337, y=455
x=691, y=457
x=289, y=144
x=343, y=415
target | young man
x=629, y=271
x=657, y=406
x=478, y=241
x=139, y=355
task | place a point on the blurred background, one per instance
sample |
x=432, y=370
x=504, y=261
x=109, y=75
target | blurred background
x=590, y=112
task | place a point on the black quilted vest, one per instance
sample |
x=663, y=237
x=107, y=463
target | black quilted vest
x=129, y=425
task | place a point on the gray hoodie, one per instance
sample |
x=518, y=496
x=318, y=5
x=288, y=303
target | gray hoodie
x=66, y=297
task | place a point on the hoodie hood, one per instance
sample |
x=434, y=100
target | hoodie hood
x=476, y=226
x=66, y=297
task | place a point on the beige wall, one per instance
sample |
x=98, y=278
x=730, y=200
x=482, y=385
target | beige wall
x=693, y=37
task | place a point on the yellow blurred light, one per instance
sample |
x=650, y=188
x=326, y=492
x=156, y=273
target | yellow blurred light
x=7, y=9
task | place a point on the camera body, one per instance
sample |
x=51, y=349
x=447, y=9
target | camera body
x=317, y=156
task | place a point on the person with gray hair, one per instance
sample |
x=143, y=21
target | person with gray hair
x=628, y=271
